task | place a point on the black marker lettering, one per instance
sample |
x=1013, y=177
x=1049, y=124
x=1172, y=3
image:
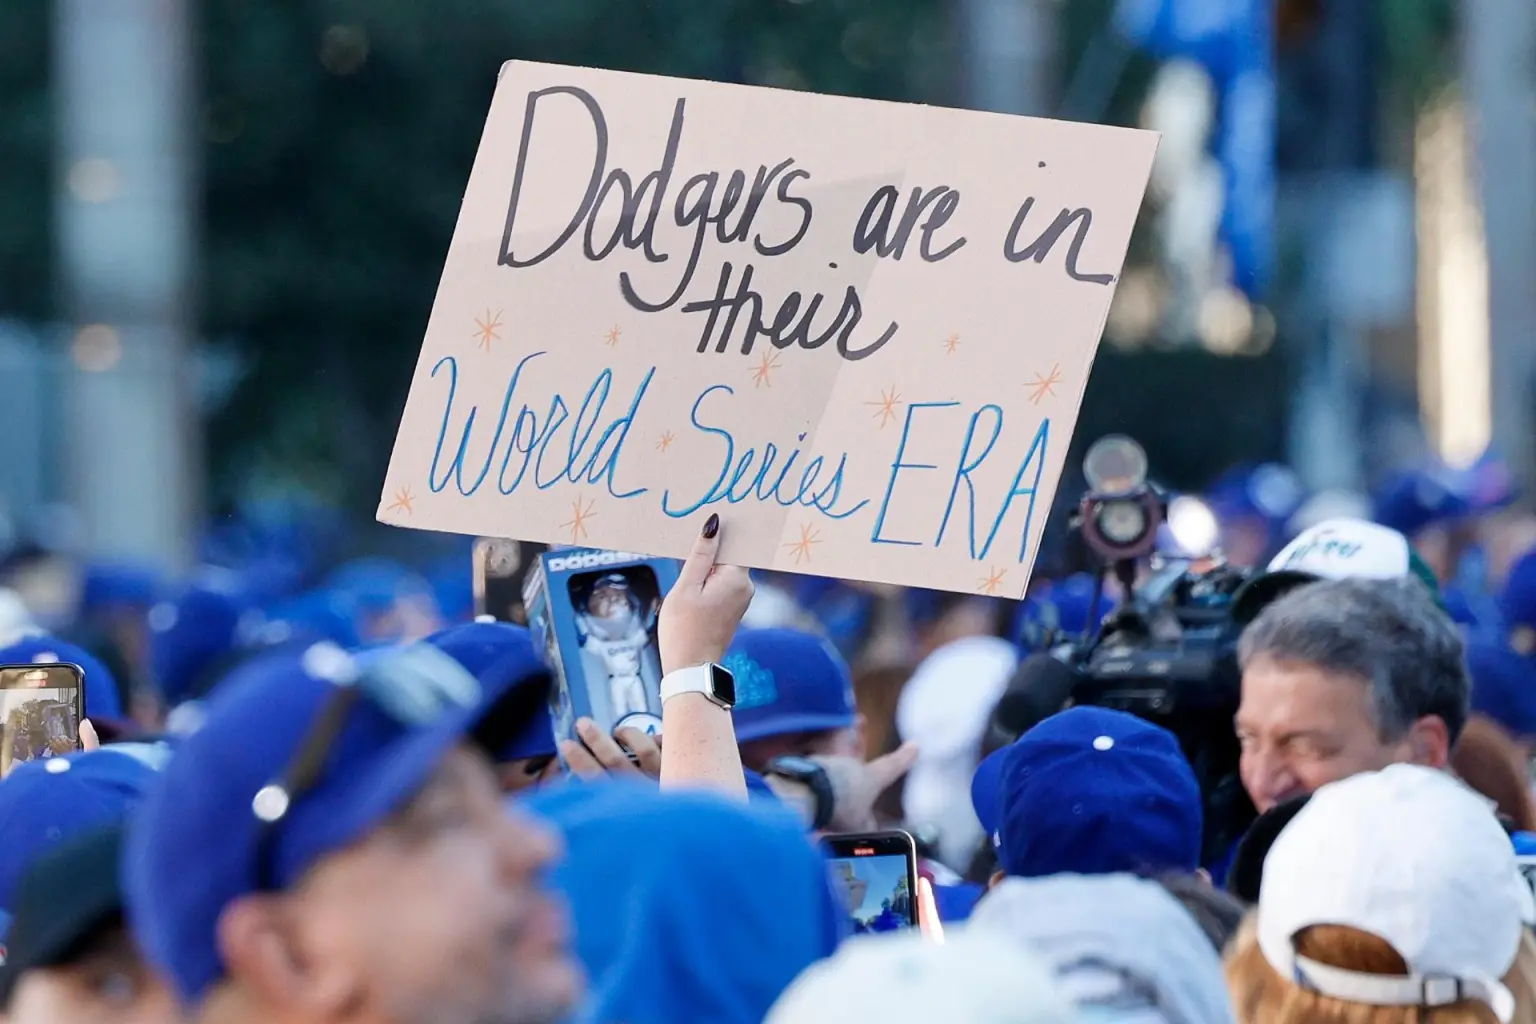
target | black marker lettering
x=600, y=130
x=937, y=218
x=805, y=213
x=656, y=182
x=874, y=227
x=1040, y=248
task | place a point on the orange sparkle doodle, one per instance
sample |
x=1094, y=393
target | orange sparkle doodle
x=402, y=502
x=611, y=339
x=486, y=328
x=885, y=408
x=665, y=441
x=761, y=376
x=579, y=515
x=951, y=343
x=991, y=584
x=809, y=538
x=1040, y=387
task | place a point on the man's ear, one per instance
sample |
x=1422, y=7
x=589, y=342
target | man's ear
x=1429, y=742
x=264, y=951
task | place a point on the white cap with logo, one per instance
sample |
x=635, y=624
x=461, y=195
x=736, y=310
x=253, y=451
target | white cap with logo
x=1338, y=549
x=1411, y=855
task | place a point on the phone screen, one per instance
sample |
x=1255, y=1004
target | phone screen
x=500, y=569
x=875, y=873
x=40, y=711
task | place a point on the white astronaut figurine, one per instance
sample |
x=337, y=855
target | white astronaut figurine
x=613, y=627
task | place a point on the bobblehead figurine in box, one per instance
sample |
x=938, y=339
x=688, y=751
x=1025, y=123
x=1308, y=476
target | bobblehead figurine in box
x=596, y=611
x=614, y=629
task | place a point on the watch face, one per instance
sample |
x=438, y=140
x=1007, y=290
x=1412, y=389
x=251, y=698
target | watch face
x=724, y=685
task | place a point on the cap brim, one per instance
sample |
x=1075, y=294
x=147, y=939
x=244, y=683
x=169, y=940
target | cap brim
x=985, y=785
x=781, y=725
x=63, y=899
x=1252, y=597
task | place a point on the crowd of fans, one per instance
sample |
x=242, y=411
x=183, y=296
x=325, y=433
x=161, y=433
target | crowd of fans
x=342, y=799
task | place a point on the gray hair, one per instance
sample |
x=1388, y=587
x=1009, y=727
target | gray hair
x=1387, y=633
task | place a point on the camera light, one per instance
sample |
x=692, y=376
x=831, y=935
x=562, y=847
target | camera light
x=1115, y=464
x=1193, y=525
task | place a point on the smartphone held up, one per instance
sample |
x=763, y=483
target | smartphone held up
x=875, y=873
x=41, y=707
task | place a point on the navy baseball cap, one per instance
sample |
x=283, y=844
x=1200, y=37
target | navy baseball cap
x=502, y=658
x=66, y=896
x=45, y=802
x=196, y=843
x=1091, y=791
x=102, y=698
x=788, y=681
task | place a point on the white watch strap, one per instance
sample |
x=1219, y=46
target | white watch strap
x=694, y=679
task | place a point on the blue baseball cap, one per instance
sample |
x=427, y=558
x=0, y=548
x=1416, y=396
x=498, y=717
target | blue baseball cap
x=788, y=681
x=189, y=635
x=312, y=617
x=45, y=802
x=102, y=698
x=1270, y=491
x=194, y=844
x=1091, y=791
x=1503, y=687
x=1410, y=501
x=109, y=585
x=1517, y=602
x=502, y=658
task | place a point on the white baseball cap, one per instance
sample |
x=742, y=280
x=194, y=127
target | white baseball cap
x=1338, y=549
x=1412, y=856
x=974, y=976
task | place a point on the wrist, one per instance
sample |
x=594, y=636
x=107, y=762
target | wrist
x=677, y=661
x=703, y=682
x=813, y=779
x=794, y=794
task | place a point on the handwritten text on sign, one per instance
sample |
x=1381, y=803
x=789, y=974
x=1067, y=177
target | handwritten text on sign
x=859, y=331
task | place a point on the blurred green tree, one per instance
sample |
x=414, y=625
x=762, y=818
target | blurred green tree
x=338, y=134
x=339, y=137
x=26, y=236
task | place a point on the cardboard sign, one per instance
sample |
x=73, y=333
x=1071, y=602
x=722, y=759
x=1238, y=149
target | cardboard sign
x=859, y=331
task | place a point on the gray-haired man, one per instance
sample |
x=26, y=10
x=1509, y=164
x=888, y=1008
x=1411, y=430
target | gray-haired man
x=1346, y=676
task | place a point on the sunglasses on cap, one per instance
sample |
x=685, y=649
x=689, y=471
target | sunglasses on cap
x=415, y=687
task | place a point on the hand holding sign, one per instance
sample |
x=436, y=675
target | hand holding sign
x=700, y=614
x=857, y=331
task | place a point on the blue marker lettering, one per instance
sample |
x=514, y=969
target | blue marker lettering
x=457, y=467
x=618, y=433
x=896, y=467
x=963, y=472
x=1038, y=445
x=825, y=503
x=558, y=414
x=580, y=437
x=725, y=465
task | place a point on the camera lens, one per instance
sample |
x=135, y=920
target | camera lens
x=1122, y=522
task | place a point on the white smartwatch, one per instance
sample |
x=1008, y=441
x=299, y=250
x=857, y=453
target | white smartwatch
x=711, y=680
